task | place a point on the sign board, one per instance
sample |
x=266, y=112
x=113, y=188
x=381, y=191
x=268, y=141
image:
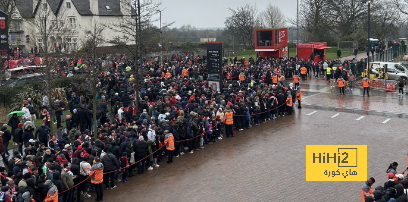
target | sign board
x=214, y=58
x=214, y=85
x=4, y=46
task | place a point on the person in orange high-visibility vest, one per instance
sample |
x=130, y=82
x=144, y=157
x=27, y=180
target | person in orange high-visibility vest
x=229, y=121
x=275, y=79
x=289, y=105
x=340, y=82
x=96, y=175
x=281, y=78
x=52, y=193
x=168, y=75
x=169, y=142
x=303, y=72
x=184, y=72
x=367, y=190
x=241, y=76
x=366, y=85
x=299, y=98
x=296, y=81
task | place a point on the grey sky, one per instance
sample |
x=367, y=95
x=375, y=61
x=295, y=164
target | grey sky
x=212, y=13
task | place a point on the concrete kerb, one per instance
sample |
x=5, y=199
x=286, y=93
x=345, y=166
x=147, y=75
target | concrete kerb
x=357, y=111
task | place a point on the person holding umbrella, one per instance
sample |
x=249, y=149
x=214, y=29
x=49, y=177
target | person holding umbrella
x=13, y=123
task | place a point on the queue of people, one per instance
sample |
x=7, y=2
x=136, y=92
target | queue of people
x=177, y=114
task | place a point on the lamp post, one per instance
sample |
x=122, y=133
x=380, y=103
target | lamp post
x=297, y=26
x=368, y=37
x=161, y=45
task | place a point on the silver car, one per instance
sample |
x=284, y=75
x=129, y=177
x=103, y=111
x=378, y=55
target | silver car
x=395, y=74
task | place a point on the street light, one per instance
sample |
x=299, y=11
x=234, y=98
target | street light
x=368, y=36
x=161, y=45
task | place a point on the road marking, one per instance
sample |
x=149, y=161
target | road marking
x=386, y=121
x=361, y=117
x=334, y=116
x=311, y=113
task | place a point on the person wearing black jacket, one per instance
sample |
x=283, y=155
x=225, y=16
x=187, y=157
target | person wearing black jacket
x=110, y=164
x=140, y=148
x=6, y=137
x=30, y=188
x=56, y=179
x=42, y=133
x=281, y=103
x=13, y=123
x=18, y=137
x=83, y=117
x=27, y=134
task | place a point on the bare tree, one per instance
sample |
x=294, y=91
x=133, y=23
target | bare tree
x=48, y=29
x=402, y=6
x=93, y=86
x=272, y=17
x=241, y=23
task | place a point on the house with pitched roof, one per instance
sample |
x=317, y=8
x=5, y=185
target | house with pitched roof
x=63, y=25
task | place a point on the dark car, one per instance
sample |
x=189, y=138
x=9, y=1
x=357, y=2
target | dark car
x=22, y=80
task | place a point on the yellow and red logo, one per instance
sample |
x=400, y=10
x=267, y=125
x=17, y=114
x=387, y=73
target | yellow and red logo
x=336, y=162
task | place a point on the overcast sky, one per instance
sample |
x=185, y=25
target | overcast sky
x=212, y=13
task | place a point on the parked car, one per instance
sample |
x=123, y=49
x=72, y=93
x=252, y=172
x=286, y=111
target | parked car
x=25, y=79
x=395, y=74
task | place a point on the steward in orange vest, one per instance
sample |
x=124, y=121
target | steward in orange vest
x=241, y=76
x=367, y=190
x=296, y=81
x=96, y=175
x=168, y=75
x=341, y=84
x=289, y=105
x=299, y=98
x=303, y=72
x=366, y=84
x=281, y=78
x=229, y=121
x=52, y=194
x=169, y=142
x=275, y=79
x=184, y=72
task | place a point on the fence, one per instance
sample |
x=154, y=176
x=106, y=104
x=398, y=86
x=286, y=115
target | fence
x=388, y=55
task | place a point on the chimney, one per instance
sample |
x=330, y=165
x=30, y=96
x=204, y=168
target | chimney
x=94, y=6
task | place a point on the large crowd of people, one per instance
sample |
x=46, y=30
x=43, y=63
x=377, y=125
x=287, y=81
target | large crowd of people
x=177, y=113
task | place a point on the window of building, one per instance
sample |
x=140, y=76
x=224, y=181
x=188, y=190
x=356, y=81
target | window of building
x=74, y=44
x=276, y=37
x=68, y=4
x=264, y=38
x=72, y=22
x=44, y=6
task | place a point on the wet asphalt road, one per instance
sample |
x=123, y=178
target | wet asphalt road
x=267, y=162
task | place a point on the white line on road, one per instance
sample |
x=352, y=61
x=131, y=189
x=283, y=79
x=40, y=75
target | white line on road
x=311, y=113
x=334, y=116
x=361, y=117
x=386, y=121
